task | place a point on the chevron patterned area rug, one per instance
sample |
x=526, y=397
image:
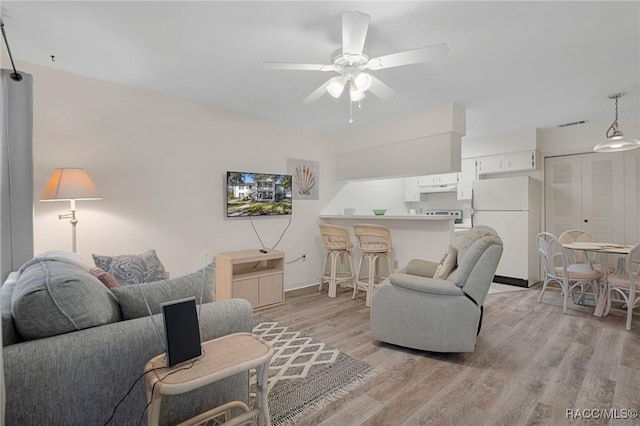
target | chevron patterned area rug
x=305, y=373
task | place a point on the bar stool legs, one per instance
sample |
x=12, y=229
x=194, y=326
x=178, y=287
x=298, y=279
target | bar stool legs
x=370, y=282
x=340, y=270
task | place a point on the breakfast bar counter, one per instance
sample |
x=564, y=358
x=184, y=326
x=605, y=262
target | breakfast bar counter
x=413, y=236
x=385, y=217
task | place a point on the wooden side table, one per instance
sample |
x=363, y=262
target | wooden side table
x=223, y=357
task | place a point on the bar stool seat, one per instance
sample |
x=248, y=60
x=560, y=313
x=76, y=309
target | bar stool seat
x=374, y=241
x=338, y=263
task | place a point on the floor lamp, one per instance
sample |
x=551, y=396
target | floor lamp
x=70, y=184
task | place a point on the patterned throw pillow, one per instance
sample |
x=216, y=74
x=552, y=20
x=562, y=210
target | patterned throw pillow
x=447, y=264
x=130, y=269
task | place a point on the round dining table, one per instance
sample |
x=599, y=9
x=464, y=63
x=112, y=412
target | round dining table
x=603, y=250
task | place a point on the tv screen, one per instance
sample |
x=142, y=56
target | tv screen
x=258, y=194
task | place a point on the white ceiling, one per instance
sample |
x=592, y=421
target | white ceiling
x=512, y=65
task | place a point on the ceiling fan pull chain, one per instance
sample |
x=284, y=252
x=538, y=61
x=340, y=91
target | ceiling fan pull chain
x=350, y=112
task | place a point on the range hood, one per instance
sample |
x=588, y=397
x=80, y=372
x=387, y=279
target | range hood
x=438, y=188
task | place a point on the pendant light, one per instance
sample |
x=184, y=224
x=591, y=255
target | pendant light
x=616, y=141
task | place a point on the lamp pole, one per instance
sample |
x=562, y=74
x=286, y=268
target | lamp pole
x=73, y=223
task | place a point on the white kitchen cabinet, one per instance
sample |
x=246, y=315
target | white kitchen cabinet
x=411, y=189
x=586, y=191
x=466, y=177
x=511, y=162
x=436, y=180
x=490, y=164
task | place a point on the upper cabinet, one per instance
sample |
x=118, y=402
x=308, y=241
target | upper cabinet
x=437, y=180
x=411, y=189
x=466, y=177
x=511, y=162
x=416, y=185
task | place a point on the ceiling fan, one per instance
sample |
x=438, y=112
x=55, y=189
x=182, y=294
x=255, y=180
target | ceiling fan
x=353, y=64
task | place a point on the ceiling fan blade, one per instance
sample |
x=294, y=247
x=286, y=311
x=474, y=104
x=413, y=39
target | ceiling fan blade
x=380, y=90
x=408, y=57
x=316, y=94
x=297, y=67
x=354, y=32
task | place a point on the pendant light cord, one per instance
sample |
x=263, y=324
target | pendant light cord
x=613, y=129
x=15, y=75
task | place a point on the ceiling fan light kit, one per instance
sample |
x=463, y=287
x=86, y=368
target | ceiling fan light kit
x=362, y=80
x=351, y=63
x=616, y=141
x=355, y=94
x=335, y=86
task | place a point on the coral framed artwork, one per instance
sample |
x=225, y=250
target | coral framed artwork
x=305, y=178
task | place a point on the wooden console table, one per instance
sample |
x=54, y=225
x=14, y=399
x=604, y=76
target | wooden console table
x=222, y=357
x=252, y=275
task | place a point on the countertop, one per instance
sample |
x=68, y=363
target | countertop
x=385, y=217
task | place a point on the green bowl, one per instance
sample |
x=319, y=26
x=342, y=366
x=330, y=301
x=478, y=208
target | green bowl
x=379, y=212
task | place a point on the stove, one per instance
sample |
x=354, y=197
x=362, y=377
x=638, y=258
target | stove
x=457, y=214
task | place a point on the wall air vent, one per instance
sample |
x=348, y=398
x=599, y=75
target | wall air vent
x=575, y=123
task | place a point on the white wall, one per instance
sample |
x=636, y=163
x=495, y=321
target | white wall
x=364, y=196
x=159, y=162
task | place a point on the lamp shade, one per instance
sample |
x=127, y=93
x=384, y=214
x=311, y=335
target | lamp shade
x=363, y=81
x=355, y=94
x=70, y=184
x=617, y=143
x=336, y=86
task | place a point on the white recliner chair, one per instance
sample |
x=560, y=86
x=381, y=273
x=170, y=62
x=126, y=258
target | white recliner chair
x=413, y=309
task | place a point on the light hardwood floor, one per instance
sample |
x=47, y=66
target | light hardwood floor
x=531, y=364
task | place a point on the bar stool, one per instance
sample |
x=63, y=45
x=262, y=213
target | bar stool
x=338, y=264
x=374, y=241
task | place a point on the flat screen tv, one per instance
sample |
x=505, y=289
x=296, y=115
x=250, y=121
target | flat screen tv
x=258, y=194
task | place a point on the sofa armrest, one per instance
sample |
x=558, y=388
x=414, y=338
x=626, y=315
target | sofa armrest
x=79, y=377
x=426, y=285
x=422, y=268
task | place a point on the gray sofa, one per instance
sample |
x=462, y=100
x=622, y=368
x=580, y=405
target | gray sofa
x=414, y=309
x=79, y=376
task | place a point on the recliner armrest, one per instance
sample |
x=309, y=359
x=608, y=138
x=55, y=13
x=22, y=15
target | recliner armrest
x=426, y=285
x=422, y=268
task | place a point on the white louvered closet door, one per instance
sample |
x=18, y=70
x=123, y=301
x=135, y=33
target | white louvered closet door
x=603, y=196
x=587, y=191
x=632, y=197
x=563, y=194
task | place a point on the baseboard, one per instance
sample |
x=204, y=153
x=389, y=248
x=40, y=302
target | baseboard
x=511, y=281
x=298, y=286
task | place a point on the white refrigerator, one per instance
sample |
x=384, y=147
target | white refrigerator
x=511, y=206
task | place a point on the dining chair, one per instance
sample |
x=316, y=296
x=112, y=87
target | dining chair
x=580, y=236
x=626, y=285
x=576, y=236
x=558, y=269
